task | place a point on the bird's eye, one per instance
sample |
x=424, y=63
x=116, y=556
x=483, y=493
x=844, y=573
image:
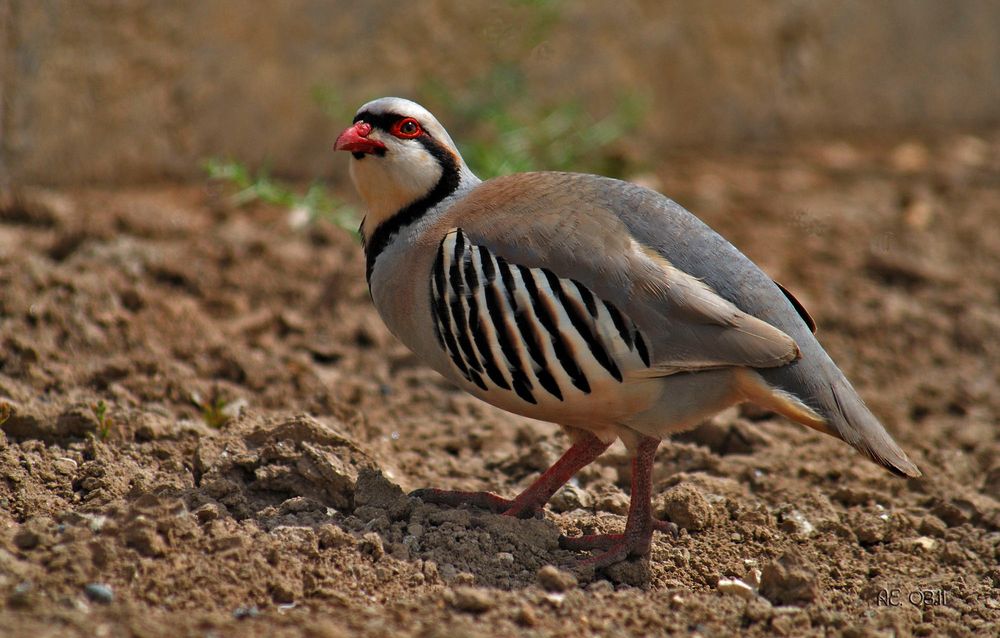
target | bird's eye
x=406, y=128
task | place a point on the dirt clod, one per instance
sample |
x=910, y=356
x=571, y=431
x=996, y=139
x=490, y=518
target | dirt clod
x=789, y=580
x=687, y=507
x=471, y=599
x=552, y=578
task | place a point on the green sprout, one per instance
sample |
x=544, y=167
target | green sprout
x=104, y=422
x=316, y=203
x=215, y=410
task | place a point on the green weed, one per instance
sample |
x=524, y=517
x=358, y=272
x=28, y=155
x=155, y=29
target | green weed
x=104, y=422
x=505, y=133
x=214, y=409
x=316, y=203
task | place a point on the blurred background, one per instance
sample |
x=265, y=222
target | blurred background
x=127, y=91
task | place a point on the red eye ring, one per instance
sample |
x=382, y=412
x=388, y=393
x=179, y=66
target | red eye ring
x=407, y=128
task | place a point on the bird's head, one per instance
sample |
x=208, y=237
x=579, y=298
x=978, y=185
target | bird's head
x=402, y=157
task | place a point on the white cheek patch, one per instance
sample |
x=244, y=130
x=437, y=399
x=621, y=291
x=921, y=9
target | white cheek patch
x=390, y=182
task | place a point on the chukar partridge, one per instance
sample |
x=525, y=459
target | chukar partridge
x=585, y=301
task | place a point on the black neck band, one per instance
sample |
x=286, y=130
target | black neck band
x=384, y=234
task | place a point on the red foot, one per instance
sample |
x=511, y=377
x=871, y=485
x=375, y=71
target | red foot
x=639, y=528
x=617, y=547
x=585, y=449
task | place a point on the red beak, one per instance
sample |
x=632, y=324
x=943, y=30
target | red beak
x=355, y=139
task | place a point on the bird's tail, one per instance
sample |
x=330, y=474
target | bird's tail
x=813, y=391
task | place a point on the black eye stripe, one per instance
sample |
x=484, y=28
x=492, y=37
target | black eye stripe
x=384, y=121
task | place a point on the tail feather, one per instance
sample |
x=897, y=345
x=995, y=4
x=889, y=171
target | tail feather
x=830, y=406
x=856, y=425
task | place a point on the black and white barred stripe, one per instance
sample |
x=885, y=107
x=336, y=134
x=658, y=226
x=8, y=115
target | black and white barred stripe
x=524, y=330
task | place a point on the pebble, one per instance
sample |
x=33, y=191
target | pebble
x=735, y=587
x=99, y=593
x=65, y=465
x=553, y=579
x=795, y=522
x=569, y=498
x=471, y=599
x=246, y=612
x=26, y=539
x=924, y=542
x=208, y=512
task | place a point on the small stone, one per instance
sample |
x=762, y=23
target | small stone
x=246, y=612
x=471, y=599
x=505, y=558
x=794, y=522
x=208, y=512
x=789, y=581
x=65, y=465
x=735, y=587
x=569, y=498
x=553, y=579
x=99, y=593
x=26, y=539
x=281, y=593
x=925, y=543
x=686, y=506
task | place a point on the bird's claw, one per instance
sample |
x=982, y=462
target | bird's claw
x=617, y=547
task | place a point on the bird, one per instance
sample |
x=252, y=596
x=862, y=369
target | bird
x=589, y=302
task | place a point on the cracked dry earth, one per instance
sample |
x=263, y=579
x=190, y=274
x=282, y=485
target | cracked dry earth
x=289, y=516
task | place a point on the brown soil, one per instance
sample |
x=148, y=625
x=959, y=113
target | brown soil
x=291, y=517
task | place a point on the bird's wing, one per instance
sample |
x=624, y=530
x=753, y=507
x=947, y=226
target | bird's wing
x=561, y=231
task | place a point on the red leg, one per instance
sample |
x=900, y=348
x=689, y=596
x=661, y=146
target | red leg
x=639, y=527
x=586, y=447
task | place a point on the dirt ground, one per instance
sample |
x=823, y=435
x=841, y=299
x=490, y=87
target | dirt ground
x=260, y=428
